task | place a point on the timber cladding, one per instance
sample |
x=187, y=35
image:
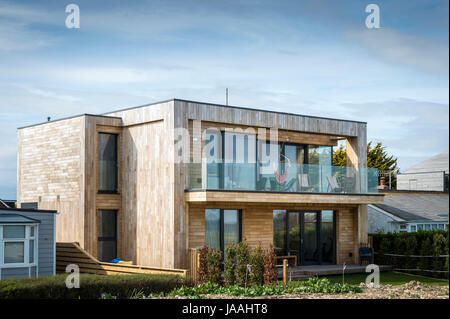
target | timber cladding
x=157, y=220
x=257, y=226
x=50, y=173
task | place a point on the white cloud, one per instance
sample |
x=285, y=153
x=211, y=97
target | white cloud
x=401, y=49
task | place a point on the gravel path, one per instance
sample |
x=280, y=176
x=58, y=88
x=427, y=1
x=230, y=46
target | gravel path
x=411, y=290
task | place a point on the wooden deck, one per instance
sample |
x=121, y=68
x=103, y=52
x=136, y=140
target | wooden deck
x=72, y=253
x=305, y=272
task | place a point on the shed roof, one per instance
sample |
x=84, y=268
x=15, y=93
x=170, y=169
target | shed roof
x=9, y=218
x=434, y=164
x=417, y=206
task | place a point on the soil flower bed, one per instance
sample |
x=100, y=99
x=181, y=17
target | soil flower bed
x=411, y=290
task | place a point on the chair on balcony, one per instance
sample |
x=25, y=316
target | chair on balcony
x=303, y=183
x=275, y=186
x=261, y=184
x=334, y=185
x=349, y=184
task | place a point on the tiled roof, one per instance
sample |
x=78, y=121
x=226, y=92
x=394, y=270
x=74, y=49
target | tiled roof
x=417, y=206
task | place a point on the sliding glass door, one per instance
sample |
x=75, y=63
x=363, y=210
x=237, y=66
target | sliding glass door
x=309, y=235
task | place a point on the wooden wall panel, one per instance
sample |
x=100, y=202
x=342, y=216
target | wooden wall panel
x=196, y=227
x=256, y=118
x=346, y=234
x=50, y=172
x=257, y=226
x=92, y=200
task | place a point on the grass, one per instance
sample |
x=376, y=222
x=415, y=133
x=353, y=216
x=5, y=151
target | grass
x=91, y=286
x=388, y=278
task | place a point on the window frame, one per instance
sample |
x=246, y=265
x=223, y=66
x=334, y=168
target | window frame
x=26, y=240
x=116, y=151
x=221, y=235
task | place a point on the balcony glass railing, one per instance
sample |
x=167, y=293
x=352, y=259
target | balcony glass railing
x=278, y=178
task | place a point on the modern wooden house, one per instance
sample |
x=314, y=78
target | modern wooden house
x=147, y=183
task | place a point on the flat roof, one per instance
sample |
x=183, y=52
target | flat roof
x=26, y=210
x=234, y=107
x=68, y=118
x=188, y=101
x=16, y=219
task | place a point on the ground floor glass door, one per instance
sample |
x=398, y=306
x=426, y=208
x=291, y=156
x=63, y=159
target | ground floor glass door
x=309, y=235
x=107, y=235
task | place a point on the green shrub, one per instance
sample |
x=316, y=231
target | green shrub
x=270, y=267
x=411, y=249
x=312, y=285
x=257, y=266
x=202, y=269
x=229, y=272
x=426, y=250
x=438, y=250
x=213, y=259
x=385, y=246
x=422, y=243
x=242, y=260
x=91, y=286
x=399, y=249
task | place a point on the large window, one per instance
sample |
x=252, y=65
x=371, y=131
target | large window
x=222, y=227
x=239, y=161
x=308, y=235
x=107, y=163
x=18, y=245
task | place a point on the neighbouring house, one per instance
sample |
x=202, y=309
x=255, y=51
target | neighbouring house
x=409, y=211
x=150, y=184
x=27, y=243
x=430, y=175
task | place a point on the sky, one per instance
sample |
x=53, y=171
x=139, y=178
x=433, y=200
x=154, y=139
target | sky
x=311, y=57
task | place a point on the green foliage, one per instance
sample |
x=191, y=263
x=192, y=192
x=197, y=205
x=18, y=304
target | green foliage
x=377, y=157
x=410, y=249
x=400, y=249
x=229, y=273
x=213, y=258
x=202, y=269
x=439, y=248
x=257, y=266
x=426, y=250
x=340, y=157
x=91, y=286
x=242, y=260
x=270, y=267
x=312, y=285
x=385, y=247
x=422, y=243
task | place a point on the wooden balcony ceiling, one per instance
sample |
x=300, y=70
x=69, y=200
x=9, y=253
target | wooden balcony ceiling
x=285, y=198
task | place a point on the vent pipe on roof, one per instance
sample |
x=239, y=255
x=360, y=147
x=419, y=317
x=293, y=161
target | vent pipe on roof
x=48, y=119
x=226, y=93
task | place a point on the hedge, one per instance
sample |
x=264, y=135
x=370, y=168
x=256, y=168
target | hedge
x=422, y=243
x=91, y=286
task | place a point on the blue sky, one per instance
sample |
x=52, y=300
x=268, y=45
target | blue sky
x=310, y=57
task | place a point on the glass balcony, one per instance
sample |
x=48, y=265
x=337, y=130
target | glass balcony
x=295, y=178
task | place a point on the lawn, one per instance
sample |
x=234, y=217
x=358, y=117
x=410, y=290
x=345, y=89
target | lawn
x=388, y=278
x=91, y=286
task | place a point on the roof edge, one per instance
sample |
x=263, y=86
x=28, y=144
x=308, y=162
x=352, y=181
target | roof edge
x=68, y=118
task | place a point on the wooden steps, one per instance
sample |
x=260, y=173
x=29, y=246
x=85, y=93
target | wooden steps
x=72, y=253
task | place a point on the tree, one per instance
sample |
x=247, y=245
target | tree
x=377, y=157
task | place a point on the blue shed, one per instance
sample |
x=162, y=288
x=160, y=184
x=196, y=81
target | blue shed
x=27, y=243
